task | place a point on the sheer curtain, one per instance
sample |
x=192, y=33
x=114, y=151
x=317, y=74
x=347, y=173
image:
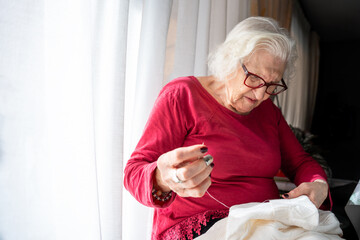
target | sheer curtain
x=294, y=102
x=61, y=118
x=148, y=26
x=198, y=27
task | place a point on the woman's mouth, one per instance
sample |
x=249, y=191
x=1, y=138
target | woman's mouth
x=251, y=100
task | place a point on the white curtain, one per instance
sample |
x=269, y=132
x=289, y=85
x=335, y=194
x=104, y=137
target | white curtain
x=62, y=66
x=200, y=26
x=297, y=103
x=148, y=26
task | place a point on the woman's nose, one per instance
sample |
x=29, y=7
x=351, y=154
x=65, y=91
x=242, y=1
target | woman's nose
x=259, y=92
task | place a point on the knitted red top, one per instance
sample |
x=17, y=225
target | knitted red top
x=248, y=151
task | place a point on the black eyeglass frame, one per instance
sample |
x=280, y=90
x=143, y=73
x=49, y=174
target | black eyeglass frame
x=248, y=73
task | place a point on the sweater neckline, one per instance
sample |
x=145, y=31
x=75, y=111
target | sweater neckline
x=217, y=104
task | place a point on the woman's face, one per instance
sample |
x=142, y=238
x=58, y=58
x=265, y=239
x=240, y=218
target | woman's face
x=242, y=99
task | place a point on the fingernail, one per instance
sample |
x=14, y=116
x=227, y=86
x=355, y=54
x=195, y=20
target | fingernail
x=212, y=165
x=286, y=195
x=203, y=149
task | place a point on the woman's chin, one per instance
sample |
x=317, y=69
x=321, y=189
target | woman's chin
x=242, y=111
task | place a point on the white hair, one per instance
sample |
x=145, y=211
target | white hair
x=253, y=33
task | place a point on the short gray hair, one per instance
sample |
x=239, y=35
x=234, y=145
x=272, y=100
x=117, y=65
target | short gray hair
x=252, y=34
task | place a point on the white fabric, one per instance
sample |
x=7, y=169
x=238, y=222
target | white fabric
x=285, y=219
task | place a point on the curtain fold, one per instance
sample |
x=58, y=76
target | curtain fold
x=202, y=39
x=187, y=26
x=150, y=20
x=294, y=101
x=69, y=121
x=151, y=59
x=201, y=26
x=236, y=12
x=218, y=19
x=108, y=82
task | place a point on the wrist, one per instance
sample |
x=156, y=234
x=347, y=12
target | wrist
x=159, y=184
x=325, y=185
x=320, y=181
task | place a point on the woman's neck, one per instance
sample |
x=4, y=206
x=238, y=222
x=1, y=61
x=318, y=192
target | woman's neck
x=215, y=88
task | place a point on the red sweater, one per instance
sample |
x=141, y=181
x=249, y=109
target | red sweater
x=248, y=151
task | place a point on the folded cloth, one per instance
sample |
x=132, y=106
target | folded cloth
x=286, y=219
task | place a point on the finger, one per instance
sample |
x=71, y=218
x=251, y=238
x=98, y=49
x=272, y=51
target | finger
x=194, y=168
x=198, y=177
x=185, y=154
x=197, y=191
x=305, y=189
x=297, y=192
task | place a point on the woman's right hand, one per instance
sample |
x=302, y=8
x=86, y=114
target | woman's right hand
x=188, y=165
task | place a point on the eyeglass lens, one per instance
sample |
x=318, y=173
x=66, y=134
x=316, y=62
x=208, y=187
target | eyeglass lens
x=256, y=82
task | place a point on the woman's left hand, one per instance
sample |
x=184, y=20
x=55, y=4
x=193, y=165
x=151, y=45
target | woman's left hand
x=316, y=191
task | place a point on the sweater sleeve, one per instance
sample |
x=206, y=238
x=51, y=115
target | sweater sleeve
x=164, y=131
x=297, y=164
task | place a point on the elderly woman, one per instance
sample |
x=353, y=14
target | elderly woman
x=216, y=141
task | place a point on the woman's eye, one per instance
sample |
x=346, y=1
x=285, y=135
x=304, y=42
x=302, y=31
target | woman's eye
x=253, y=78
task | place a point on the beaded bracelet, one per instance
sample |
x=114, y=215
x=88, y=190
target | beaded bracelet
x=161, y=196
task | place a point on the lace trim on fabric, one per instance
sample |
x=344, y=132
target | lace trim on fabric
x=184, y=229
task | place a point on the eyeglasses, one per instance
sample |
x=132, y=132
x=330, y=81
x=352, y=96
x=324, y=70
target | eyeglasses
x=254, y=81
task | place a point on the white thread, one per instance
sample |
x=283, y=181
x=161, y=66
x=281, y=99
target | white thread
x=217, y=200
